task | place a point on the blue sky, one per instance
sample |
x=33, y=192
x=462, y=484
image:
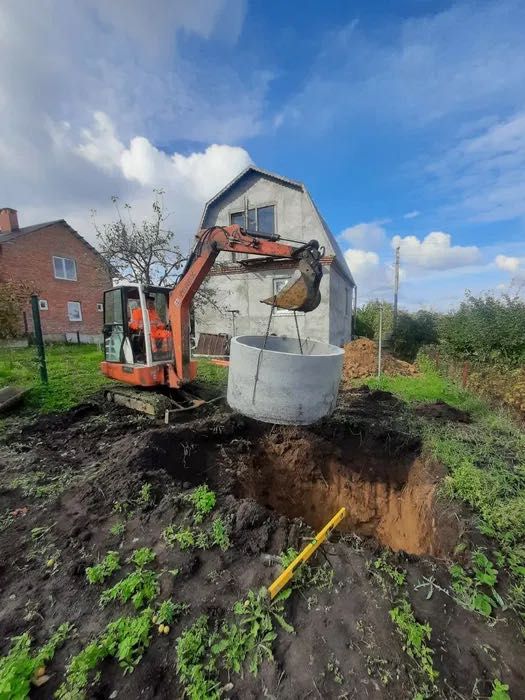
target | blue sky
x=406, y=120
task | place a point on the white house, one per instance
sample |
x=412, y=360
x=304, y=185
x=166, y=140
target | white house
x=273, y=204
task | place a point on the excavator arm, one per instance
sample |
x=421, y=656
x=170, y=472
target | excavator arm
x=300, y=294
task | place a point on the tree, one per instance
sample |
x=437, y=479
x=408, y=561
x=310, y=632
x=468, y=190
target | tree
x=14, y=297
x=145, y=253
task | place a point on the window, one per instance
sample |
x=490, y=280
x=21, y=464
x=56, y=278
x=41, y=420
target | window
x=100, y=307
x=65, y=268
x=74, y=311
x=259, y=219
x=278, y=284
x=42, y=305
x=113, y=307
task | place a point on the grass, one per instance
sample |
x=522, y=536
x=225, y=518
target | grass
x=486, y=467
x=73, y=372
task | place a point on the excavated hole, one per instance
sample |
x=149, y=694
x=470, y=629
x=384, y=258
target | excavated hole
x=389, y=497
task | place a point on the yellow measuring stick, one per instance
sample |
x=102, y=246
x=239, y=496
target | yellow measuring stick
x=281, y=581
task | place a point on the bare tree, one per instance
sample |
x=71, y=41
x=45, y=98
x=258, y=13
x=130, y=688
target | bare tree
x=145, y=253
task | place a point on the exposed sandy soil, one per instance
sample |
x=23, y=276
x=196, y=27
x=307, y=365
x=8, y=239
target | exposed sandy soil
x=361, y=361
x=266, y=477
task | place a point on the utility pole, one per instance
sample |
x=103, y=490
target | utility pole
x=396, y=292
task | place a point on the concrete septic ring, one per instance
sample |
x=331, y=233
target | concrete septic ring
x=277, y=384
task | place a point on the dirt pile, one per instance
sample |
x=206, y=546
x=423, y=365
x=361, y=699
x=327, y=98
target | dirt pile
x=361, y=361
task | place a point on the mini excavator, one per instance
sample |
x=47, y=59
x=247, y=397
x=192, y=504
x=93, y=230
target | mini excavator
x=147, y=328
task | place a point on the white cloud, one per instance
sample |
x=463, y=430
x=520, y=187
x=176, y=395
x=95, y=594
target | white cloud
x=508, y=263
x=484, y=171
x=369, y=234
x=84, y=109
x=435, y=252
x=411, y=214
x=427, y=67
x=373, y=277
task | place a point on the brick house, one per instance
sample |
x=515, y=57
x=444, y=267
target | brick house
x=66, y=271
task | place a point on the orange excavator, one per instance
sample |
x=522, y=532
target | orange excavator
x=147, y=328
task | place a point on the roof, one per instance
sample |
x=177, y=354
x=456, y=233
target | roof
x=345, y=270
x=11, y=236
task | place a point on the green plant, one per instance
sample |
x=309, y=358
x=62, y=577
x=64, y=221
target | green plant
x=203, y=501
x=145, y=497
x=140, y=587
x=308, y=576
x=183, y=537
x=103, y=570
x=125, y=639
x=117, y=529
x=476, y=592
x=20, y=665
x=500, y=691
x=394, y=573
x=169, y=611
x=220, y=534
x=197, y=672
x=415, y=636
x=142, y=556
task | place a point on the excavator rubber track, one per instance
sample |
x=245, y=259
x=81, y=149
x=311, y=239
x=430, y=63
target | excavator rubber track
x=156, y=404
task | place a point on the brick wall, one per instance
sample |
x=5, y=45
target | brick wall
x=29, y=258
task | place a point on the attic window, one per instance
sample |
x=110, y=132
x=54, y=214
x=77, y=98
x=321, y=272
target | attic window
x=65, y=268
x=259, y=219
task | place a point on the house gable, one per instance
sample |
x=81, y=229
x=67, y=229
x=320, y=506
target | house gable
x=296, y=216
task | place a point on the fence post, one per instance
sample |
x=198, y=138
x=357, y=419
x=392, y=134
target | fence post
x=39, y=340
x=464, y=375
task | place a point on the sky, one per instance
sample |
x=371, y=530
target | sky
x=405, y=120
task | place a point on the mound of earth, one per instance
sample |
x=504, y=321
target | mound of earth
x=361, y=361
x=443, y=412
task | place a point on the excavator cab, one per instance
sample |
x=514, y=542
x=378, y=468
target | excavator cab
x=136, y=325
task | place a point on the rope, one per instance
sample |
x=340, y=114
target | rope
x=272, y=308
x=298, y=334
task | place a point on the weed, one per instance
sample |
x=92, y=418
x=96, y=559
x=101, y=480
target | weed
x=169, y=611
x=19, y=666
x=476, y=592
x=415, y=636
x=106, y=568
x=396, y=575
x=183, y=537
x=117, y=529
x=203, y=501
x=141, y=557
x=220, y=534
x=145, y=497
x=197, y=672
x=334, y=667
x=307, y=576
x=500, y=691
x=141, y=586
x=41, y=485
x=125, y=639
x=248, y=639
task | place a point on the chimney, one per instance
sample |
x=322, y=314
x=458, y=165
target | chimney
x=8, y=220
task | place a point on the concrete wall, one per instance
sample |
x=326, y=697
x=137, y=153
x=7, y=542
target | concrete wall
x=340, y=308
x=296, y=218
x=243, y=291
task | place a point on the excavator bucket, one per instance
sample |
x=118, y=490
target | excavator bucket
x=301, y=292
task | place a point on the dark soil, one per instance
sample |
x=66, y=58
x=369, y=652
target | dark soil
x=365, y=458
x=441, y=411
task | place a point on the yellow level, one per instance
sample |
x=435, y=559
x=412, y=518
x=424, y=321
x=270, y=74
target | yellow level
x=283, y=578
